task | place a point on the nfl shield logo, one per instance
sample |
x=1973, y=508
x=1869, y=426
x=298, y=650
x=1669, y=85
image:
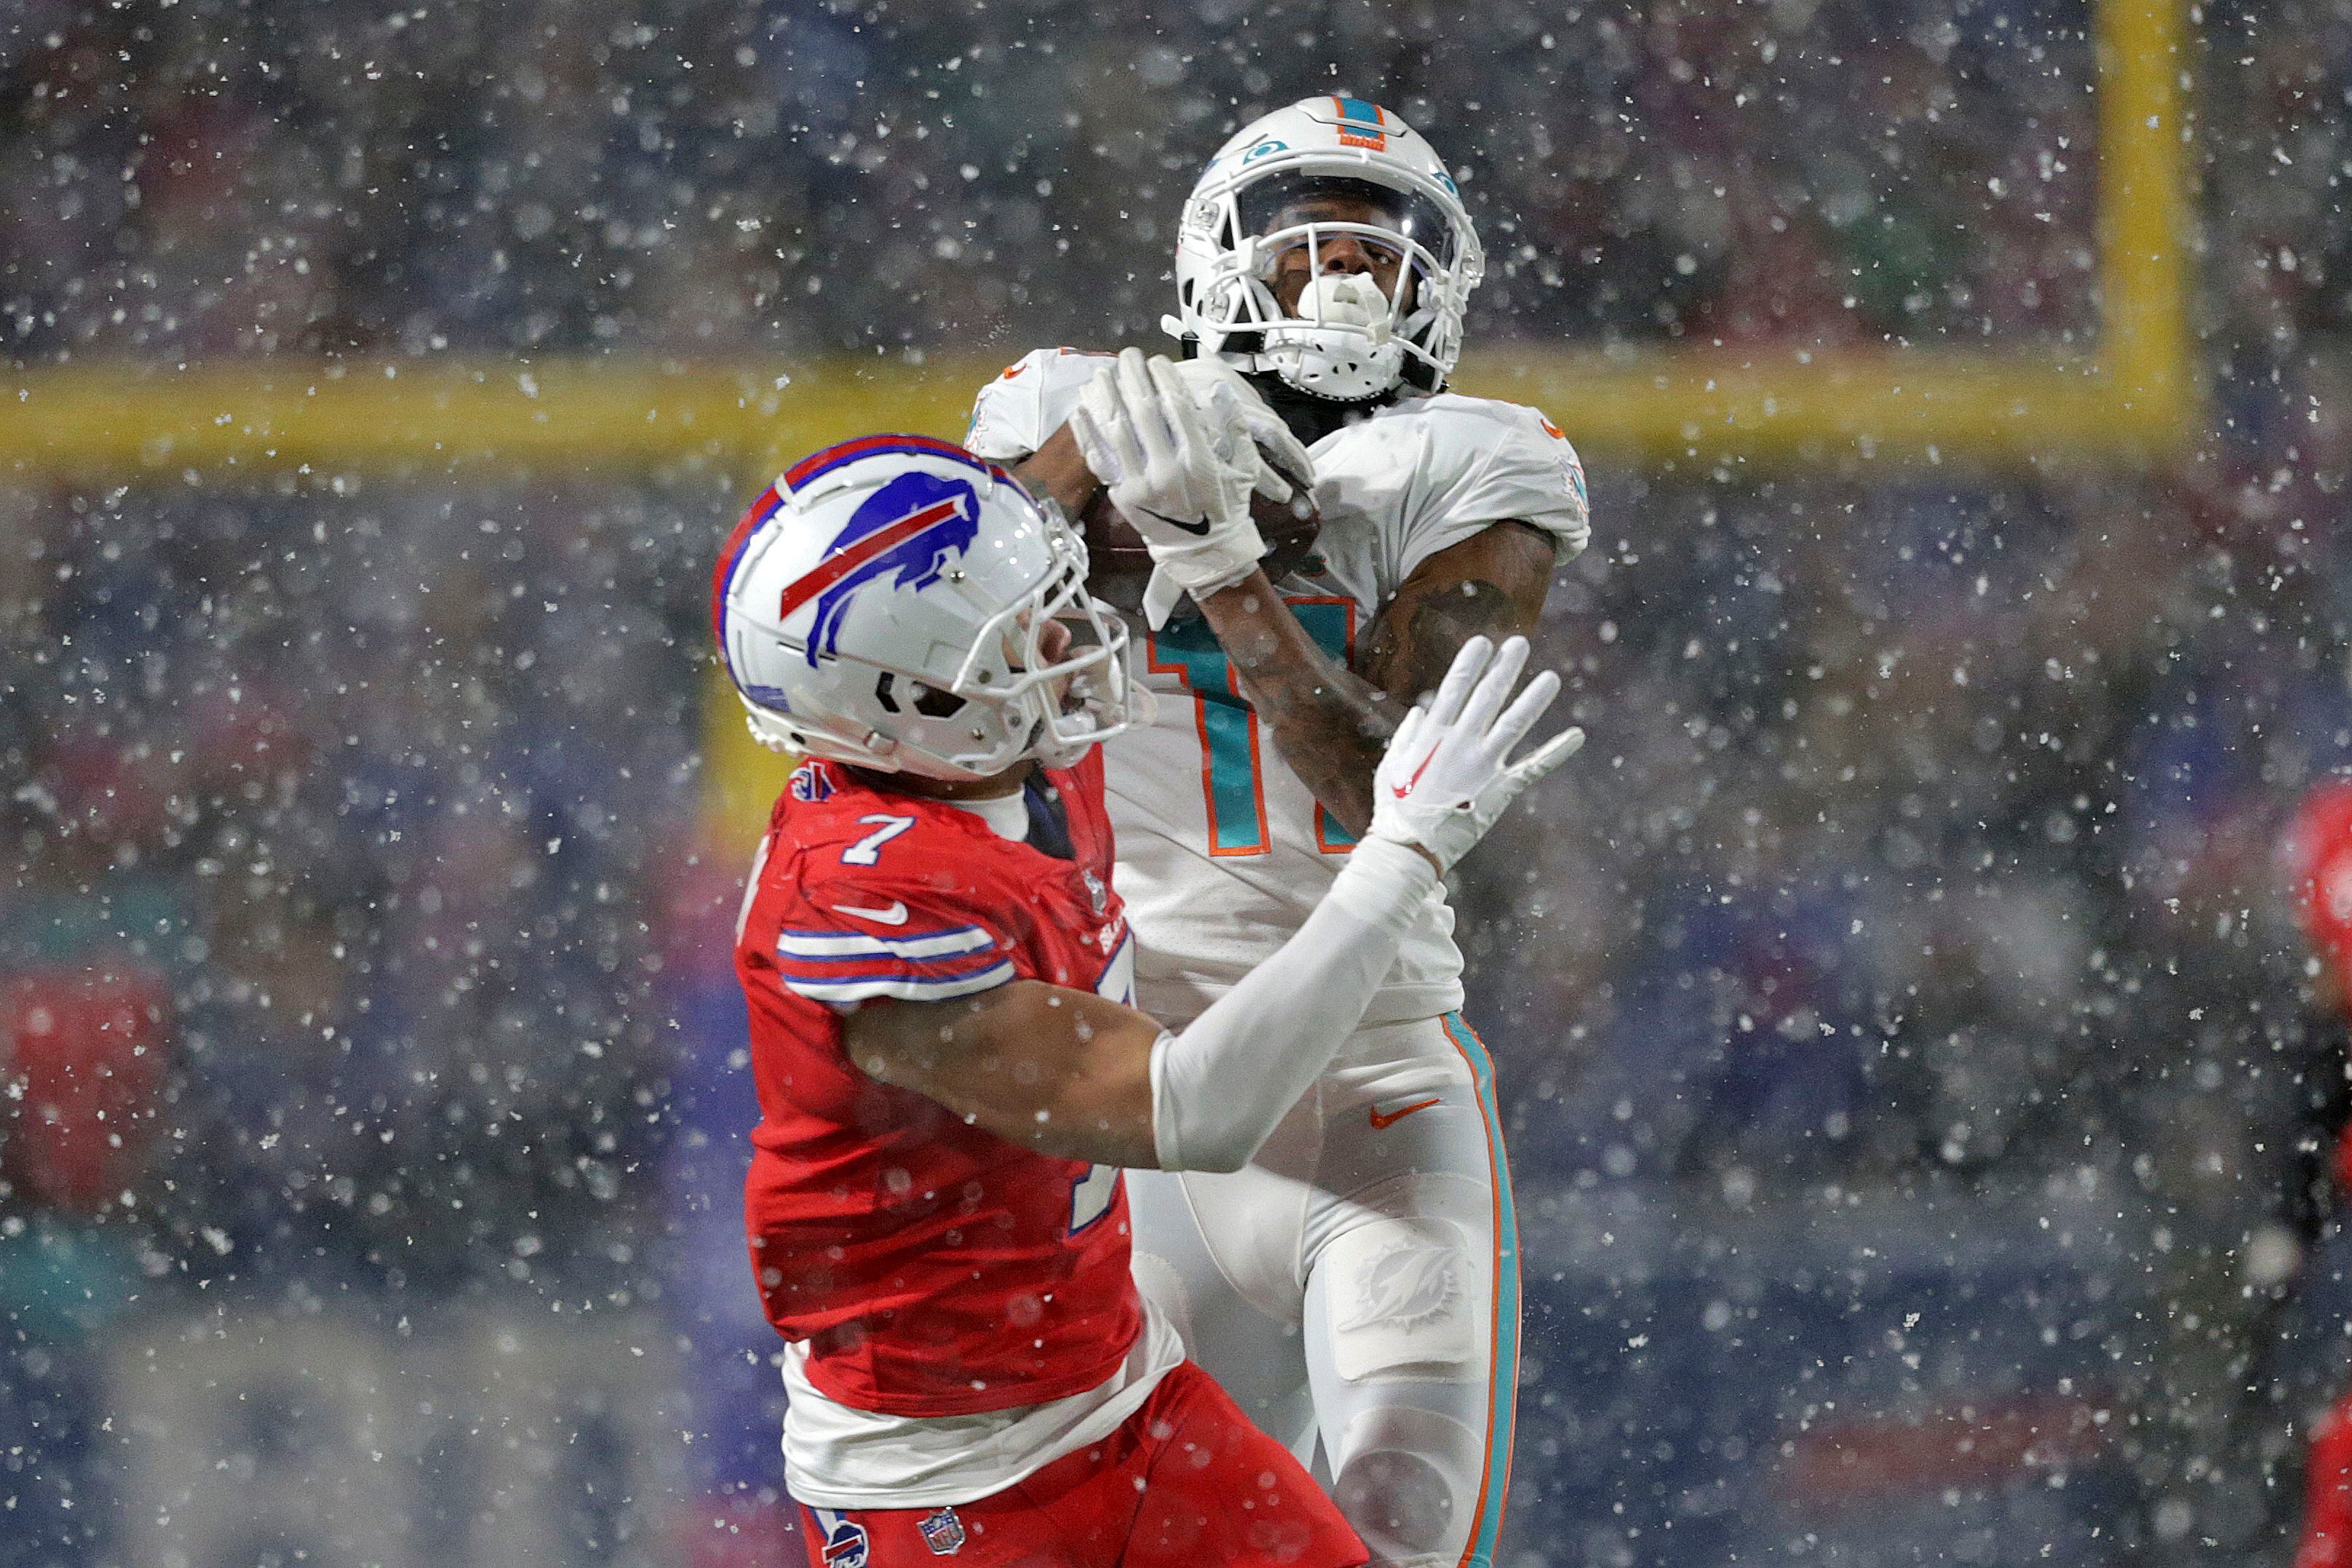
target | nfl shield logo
x=1096, y=894
x=943, y=1532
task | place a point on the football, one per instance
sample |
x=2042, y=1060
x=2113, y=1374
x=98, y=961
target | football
x=1116, y=552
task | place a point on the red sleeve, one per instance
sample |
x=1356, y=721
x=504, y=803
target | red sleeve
x=845, y=940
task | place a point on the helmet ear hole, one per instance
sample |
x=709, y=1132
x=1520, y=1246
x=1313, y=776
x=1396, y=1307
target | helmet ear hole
x=936, y=705
x=931, y=704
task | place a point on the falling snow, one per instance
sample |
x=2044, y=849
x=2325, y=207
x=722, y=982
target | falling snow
x=1920, y=1087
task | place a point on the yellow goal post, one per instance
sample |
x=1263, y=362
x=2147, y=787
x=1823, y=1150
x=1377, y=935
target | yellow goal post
x=2130, y=396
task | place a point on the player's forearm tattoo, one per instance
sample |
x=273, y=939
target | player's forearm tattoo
x=1059, y=470
x=1330, y=723
x=1413, y=643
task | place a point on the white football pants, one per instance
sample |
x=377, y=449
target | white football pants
x=1358, y=1284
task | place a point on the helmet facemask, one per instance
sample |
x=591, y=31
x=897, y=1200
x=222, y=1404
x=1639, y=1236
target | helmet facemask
x=1272, y=293
x=977, y=706
x=1073, y=698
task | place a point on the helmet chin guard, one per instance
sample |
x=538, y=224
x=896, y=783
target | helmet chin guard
x=1344, y=348
x=1344, y=340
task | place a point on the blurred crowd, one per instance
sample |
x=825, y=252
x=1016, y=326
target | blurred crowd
x=214, y=179
x=358, y=937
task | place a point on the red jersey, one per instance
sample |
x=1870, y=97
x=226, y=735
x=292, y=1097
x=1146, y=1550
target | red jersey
x=933, y=1268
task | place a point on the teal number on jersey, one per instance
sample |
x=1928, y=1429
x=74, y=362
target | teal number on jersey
x=1230, y=776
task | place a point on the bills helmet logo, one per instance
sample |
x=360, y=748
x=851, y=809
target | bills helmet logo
x=906, y=532
x=845, y=1545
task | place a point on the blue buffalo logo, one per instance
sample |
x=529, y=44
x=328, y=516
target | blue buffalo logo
x=845, y=1541
x=811, y=781
x=906, y=532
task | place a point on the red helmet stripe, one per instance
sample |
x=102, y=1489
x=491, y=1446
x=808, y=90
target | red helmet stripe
x=841, y=562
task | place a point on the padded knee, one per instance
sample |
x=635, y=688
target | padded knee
x=1408, y=1481
x=1404, y=1302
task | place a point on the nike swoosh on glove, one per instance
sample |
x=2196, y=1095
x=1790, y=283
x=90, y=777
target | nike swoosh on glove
x=1447, y=775
x=1139, y=429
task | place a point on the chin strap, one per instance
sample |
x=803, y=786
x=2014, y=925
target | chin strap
x=1310, y=417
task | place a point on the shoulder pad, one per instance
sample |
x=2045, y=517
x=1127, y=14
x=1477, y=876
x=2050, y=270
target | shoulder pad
x=1014, y=414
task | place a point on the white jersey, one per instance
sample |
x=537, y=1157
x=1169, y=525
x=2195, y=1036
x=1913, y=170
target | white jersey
x=1222, y=850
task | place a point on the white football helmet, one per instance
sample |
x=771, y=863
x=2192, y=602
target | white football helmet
x=1346, y=343
x=887, y=604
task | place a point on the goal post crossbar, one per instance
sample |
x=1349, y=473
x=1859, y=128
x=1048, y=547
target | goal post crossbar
x=2126, y=395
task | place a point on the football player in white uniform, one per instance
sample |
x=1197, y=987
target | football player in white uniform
x=1357, y=1285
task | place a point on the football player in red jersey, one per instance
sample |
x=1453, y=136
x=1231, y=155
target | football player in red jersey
x=949, y=1075
x=2320, y=852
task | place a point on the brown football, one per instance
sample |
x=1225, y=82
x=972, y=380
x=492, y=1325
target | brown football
x=1119, y=562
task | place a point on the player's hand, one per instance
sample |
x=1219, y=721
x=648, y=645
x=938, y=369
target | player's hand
x=1145, y=438
x=1249, y=434
x=1447, y=774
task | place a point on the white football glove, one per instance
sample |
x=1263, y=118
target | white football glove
x=1447, y=775
x=1249, y=434
x=1140, y=430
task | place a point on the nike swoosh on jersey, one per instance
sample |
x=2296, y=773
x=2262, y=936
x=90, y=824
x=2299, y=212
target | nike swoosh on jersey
x=1200, y=527
x=1393, y=1118
x=892, y=913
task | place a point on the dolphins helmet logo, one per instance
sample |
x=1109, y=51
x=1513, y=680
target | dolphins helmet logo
x=907, y=531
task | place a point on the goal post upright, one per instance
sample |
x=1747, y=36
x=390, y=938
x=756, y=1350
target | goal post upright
x=2146, y=220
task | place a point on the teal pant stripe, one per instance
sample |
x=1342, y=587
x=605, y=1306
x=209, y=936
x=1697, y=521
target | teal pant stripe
x=1488, y=1535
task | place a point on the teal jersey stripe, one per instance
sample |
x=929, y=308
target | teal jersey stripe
x=1235, y=811
x=1332, y=623
x=1231, y=777
x=1488, y=1533
x=1238, y=818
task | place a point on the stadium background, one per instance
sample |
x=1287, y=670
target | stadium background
x=1905, y=1039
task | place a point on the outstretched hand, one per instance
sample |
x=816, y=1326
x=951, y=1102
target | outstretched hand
x=1447, y=776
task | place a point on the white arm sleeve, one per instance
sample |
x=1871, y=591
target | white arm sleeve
x=1219, y=1087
